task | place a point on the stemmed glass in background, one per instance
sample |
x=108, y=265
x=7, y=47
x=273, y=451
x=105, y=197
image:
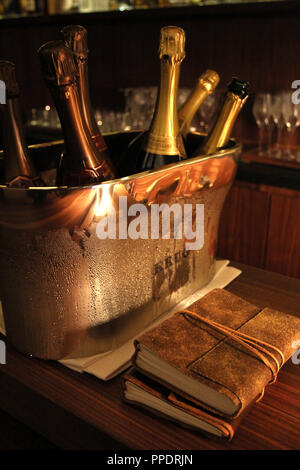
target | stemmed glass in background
x=44, y=117
x=262, y=114
x=277, y=111
x=183, y=94
x=139, y=106
x=277, y=101
x=290, y=113
x=207, y=110
x=137, y=114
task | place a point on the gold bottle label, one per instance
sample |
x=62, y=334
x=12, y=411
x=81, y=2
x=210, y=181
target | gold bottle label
x=165, y=145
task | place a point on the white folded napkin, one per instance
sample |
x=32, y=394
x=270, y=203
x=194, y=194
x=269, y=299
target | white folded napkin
x=107, y=365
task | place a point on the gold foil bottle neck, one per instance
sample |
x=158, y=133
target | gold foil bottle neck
x=164, y=137
x=8, y=76
x=234, y=100
x=58, y=65
x=172, y=43
x=205, y=85
x=75, y=37
x=210, y=80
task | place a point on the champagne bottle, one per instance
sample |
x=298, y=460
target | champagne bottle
x=234, y=100
x=19, y=170
x=205, y=85
x=163, y=143
x=81, y=162
x=76, y=39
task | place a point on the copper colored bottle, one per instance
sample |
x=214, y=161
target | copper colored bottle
x=81, y=163
x=75, y=37
x=19, y=170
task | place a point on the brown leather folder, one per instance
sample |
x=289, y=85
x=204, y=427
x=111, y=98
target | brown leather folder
x=211, y=367
x=169, y=405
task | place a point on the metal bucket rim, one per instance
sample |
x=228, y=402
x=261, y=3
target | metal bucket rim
x=234, y=150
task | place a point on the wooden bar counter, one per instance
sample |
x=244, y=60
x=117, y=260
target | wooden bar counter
x=76, y=411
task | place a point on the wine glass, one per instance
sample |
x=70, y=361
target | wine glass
x=262, y=114
x=276, y=112
x=33, y=121
x=183, y=94
x=297, y=151
x=139, y=106
x=290, y=113
x=208, y=110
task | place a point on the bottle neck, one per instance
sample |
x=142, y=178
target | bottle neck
x=164, y=137
x=221, y=131
x=85, y=97
x=190, y=107
x=17, y=158
x=80, y=149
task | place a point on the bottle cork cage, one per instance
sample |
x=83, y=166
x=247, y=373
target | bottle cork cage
x=64, y=291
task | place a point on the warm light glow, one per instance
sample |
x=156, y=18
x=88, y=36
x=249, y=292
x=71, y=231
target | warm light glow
x=104, y=201
x=47, y=108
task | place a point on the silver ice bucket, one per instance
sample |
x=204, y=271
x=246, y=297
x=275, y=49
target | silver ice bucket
x=64, y=291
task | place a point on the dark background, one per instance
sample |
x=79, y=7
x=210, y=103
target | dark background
x=258, y=42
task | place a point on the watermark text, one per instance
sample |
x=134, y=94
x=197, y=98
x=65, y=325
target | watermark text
x=2, y=92
x=176, y=221
x=2, y=353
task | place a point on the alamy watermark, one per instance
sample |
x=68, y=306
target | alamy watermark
x=139, y=222
x=296, y=355
x=2, y=353
x=296, y=94
x=2, y=92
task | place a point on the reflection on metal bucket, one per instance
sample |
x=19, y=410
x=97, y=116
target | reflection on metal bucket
x=67, y=293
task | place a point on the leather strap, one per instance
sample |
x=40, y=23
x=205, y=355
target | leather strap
x=224, y=427
x=264, y=351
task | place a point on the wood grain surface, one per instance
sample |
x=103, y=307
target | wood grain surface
x=283, y=250
x=243, y=231
x=77, y=411
x=260, y=226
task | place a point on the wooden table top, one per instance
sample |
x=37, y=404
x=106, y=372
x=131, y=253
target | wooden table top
x=78, y=411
